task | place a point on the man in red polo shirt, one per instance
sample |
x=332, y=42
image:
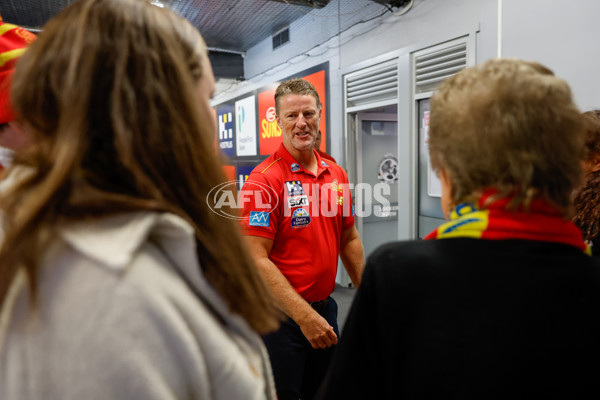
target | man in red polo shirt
x=298, y=220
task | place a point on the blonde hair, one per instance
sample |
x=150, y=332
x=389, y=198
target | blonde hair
x=296, y=86
x=510, y=125
x=109, y=93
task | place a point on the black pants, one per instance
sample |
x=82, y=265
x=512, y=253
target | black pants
x=297, y=367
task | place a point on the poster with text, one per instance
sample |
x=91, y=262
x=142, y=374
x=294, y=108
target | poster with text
x=225, y=125
x=245, y=126
x=270, y=135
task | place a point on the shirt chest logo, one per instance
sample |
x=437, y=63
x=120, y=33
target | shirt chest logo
x=300, y=218
x=297, y=201
x=294, y=188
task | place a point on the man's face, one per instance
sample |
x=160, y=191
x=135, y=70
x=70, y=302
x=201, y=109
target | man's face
x=299, y=120
x=13, y=137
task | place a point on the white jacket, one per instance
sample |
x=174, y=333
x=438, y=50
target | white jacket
x=125, y=313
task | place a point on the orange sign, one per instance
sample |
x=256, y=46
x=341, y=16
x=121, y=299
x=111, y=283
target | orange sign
x=270, y=135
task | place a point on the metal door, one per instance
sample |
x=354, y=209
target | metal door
x=429, y=187
x=376, y=190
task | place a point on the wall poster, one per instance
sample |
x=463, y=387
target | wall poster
x=247, y=127
x=225, y=127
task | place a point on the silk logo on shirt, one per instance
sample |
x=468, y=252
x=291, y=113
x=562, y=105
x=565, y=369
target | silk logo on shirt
x=297, y=201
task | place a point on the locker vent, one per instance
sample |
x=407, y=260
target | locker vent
x=377, y=83
x=431, y=68
x=280, y=38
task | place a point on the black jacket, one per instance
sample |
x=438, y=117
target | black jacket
x=471, y=319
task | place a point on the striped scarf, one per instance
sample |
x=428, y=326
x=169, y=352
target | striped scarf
x=13, y=42
x=495, y=222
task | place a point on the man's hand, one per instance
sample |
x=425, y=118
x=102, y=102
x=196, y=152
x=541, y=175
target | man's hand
x=314, y=327
x=317, y=331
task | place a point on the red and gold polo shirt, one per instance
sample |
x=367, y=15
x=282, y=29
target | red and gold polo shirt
x=303, y=214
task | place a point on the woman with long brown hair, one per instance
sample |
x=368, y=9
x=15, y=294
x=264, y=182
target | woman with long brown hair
x=116, y=279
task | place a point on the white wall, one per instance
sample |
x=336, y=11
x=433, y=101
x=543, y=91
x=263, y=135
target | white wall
x=562, y=35
x=428, y=22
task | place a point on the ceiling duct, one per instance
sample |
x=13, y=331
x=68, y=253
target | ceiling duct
x=305, y=3
x=226, y=64
x=393, y=3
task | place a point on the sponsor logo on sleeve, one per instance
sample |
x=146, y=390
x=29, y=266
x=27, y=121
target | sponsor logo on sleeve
x=259, y=218
x=300, y=218
x=294, y=188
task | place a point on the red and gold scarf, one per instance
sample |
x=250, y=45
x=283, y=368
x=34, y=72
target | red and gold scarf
x=543, y=222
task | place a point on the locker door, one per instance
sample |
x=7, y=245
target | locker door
x=376, y=192
x=429, y=187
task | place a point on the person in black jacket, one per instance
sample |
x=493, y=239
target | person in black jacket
x=502, y=300
x=587, y=198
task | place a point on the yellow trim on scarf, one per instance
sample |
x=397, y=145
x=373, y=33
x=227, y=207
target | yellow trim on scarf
x=10, y=55
x=6, y=27
x=465, y=221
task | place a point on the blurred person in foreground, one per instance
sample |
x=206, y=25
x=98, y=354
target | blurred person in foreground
x=14, y=40
x=587, y=197
x=116, y=279
x=502, y=300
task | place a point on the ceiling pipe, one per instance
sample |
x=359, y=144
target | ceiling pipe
x=305, y=3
